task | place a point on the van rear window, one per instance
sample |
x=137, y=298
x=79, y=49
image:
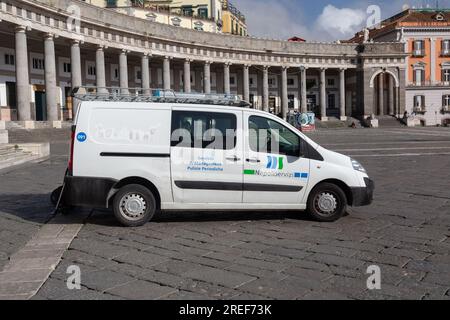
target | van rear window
x=203, y=130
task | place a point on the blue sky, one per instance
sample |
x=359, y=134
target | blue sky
x=318, y=20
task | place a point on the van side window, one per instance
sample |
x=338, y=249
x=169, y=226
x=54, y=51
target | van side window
x=268, y=136
x=203, y=130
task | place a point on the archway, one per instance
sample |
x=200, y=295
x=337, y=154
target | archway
x=385, y=86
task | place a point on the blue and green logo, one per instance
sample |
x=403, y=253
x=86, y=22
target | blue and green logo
x=275, y=163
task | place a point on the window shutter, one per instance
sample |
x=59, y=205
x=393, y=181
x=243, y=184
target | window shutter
x=415, y=76
x=443, y=101
x=423, y=102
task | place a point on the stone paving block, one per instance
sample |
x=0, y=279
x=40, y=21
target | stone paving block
x=284, y=289
x=18, y=288
x=261, y=264
x=175, y=267
x=142, y=290
x=37, y=254
x=140, y=258
x=103, y=280
x=257, y=272
x=32, y=263
x=225, y=278
x=24, y=275
x=186, y=295
x=335, y=260
x=427, y=266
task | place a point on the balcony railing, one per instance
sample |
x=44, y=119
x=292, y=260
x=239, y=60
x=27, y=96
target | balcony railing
x=445, y=53
x=420, y=109
x=445, y=109
x=428, y=84
x=418, y=53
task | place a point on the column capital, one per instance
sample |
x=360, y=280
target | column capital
x=227, y=63
x=284, y=67
x=303, y=68
x=342, y=69
x=207, y=62
x=22, y=28
x=50, y=36
x=124, y=51
x=101, y=48
x=188, y=60
x=247, y=65
x=266, y=68
x=168, y=57
x=146, y=55
x=76, y=42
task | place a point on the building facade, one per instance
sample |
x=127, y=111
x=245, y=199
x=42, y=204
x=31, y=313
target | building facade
x=425, y=35
x=233, y=20
x=49, y=47
x=200, y=15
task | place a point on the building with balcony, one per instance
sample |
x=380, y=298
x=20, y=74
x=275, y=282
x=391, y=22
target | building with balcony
x=200, y=15
x=425, y=34
x=233, y=20
x=49, y=47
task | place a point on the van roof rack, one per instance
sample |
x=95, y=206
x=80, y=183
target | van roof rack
x=155, y=95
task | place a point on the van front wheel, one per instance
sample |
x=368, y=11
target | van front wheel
x=327, y=203
x=134, y=205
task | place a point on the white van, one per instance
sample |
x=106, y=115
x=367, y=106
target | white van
x=138, y=155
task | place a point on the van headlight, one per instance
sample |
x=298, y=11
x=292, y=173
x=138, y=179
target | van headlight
x=357, y=166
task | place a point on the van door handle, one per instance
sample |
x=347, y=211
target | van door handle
x=253, y=160
x=234, y=158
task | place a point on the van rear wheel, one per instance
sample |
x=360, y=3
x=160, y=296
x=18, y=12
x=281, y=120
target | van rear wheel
x=134, y=205
x=327, y=203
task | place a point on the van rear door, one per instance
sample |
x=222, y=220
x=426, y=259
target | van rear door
x=206, y=155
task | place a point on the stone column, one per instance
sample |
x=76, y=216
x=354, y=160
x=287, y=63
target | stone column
x=145, y=71
x=381, y=94
x=123, y=72
x=246, y=79
x=265, y=95
x=207, y=78
x=433, y=60
x=226, y=79
x=323, y=95
x=166, y=73
x=284, y=93
x=343, y=108
x=187, y=76
x=75, y=61
x=22, y=75
x=401, y=96
x=304, y=100
x=100, y=72
x=50, y=79
x=391, y=107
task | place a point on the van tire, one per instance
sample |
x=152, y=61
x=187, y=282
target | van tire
x=134, y=205
x=327, y=203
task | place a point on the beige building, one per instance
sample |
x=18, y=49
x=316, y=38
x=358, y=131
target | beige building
x=233, y=20
x=201, y=15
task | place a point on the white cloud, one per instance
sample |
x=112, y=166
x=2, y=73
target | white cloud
x=271, y=19
x=341, y=23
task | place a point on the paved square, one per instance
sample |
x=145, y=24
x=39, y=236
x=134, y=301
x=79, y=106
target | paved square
x=278, y=255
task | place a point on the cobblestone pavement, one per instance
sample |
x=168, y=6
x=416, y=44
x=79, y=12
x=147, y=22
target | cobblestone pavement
x=24, y=199
x=278, y=255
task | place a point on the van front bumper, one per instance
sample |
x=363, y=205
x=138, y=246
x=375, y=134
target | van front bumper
x=363, y=196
